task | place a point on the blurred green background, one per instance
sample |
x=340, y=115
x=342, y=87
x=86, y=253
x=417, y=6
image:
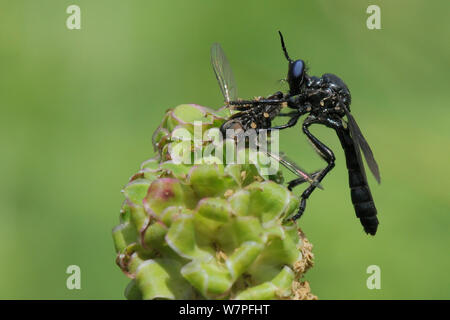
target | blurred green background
x=78, y=108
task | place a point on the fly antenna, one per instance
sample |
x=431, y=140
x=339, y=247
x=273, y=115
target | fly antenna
x=284, y=47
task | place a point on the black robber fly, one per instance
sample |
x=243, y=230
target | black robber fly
x=258, y=116
x=326, y=101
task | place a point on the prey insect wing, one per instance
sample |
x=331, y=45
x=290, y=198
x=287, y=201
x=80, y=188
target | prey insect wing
x=361, y=142
x=294, y=168
x=223, y=72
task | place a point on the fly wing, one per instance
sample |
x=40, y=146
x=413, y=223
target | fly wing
x=294, y=168
x=361, y=142
x=223, y=72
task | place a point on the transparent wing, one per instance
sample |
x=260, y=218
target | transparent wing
x=361, y=142
x=294, y=168
x=223, y=72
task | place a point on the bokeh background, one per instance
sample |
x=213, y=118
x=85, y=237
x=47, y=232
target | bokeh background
x=78, y=108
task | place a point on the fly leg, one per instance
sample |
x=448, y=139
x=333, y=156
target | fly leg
x=324, y=152
x=293, y=183
x=292, y=122
x=289, y=114
x=277, y=95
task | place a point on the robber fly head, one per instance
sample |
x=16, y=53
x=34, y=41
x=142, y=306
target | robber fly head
x=296, y=72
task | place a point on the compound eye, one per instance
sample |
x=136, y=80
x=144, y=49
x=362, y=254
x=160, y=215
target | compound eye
x=296, y=76
x=297, y=68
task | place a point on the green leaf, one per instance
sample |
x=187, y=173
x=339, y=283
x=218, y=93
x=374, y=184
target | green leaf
x=123, y=235
x=243, y=257
x=181, y=238
x=161, y=279
x=268, y=200
x=136, y=190
x=215, y=209
x=166, y=192
x=210, y=180
x=209, y=278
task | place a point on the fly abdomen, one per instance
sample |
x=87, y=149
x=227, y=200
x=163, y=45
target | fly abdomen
x=363, y=203
x=360, y=193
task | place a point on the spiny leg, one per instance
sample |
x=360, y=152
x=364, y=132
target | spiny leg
x=324, y=152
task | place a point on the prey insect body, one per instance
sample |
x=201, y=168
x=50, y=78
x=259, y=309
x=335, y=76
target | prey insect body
x=254, y=117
